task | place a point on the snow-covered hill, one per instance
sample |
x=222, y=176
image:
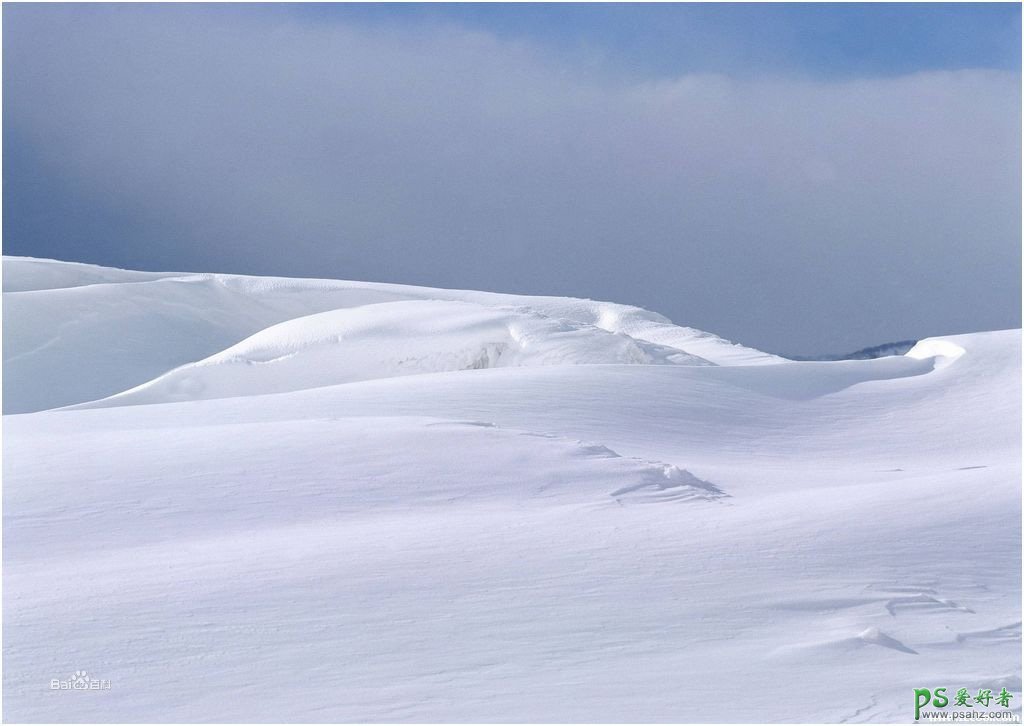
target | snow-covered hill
x=75, y=333
x=384, y=340
x=310, y=500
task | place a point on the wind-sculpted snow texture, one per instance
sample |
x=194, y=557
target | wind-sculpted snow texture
x=266, y=499
x=75, y=333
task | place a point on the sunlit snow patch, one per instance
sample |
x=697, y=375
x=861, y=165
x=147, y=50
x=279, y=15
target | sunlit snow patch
x=392, y=339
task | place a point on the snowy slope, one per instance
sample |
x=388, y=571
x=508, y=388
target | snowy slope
x=557, y=540
x=77, y=333
x=24, y=274
x=384, y=340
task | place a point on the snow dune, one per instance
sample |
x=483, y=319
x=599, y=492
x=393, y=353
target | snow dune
x=384, y=340
x=75, y=333
x=343, y=501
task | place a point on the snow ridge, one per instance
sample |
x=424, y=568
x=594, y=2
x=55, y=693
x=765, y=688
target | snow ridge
x=78, y=333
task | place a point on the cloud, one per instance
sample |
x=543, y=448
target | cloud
x=795, y=215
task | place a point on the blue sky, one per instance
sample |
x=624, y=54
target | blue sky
x=801, y=178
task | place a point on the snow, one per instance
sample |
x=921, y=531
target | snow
x=394, y=339
x=77, y=333
x=606, y=518
x=23, y=274
x=943, y=351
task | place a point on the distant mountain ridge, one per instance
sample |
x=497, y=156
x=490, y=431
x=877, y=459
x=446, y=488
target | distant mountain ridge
x=876, y=351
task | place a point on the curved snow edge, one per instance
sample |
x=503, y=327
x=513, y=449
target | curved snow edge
x=945, y=352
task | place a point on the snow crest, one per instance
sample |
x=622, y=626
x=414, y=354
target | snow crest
x=76, y=333
x=391, y=339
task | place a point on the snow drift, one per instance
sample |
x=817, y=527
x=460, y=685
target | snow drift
x=75, y=333
x=384, y=340
x=338, y=501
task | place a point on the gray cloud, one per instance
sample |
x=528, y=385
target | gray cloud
x=798, y=216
